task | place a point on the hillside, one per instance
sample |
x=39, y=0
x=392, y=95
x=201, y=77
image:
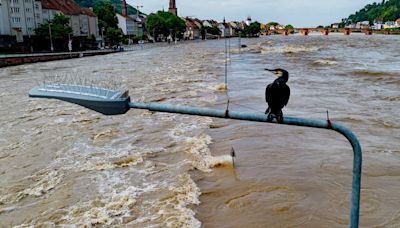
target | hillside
x=97, y=3
x=386, y=10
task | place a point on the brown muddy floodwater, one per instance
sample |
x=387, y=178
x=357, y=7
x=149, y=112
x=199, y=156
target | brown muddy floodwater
x=61, y=164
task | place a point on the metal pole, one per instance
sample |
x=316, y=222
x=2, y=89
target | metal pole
x=240, y=42
x=226, y=64
x=102, y=37
x=357, y=161
x=51, y=40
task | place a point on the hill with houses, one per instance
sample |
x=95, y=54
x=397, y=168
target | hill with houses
x=384, y=11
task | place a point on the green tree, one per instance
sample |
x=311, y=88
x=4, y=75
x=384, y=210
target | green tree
x=210, y=30
x=60, y=31
x=114, y=35
x=175, y=25
x=289, y=26
x=252, y=30
x=108, y=22
x=165, y=23
x=273, y=23
x=106, y=16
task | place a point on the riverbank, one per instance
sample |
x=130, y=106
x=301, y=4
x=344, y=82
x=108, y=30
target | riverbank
x=18, y=59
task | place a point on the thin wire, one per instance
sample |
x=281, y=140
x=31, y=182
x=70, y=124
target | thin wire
x=226, y=77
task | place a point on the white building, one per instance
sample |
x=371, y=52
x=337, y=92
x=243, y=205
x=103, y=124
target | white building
x=389, y=25
x=225, y=29
x=207, y=24
x=20, y=17
x=129, y=24
x=126, y=24
x=397, y=23
x=335, y=25
x=248, y=21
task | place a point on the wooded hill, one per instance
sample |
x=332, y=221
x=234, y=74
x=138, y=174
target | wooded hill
x=98, y=3
x=386, y=10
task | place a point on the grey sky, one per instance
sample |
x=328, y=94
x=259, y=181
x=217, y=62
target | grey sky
x=300, y=13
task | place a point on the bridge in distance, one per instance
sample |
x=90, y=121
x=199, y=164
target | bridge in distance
x=326, y=31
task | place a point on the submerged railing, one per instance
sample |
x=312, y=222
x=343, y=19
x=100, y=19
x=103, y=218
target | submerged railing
x=325, y=124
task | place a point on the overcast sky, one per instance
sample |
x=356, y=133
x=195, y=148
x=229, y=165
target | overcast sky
x=300, y=13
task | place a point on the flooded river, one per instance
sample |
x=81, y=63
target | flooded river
x=61, y=164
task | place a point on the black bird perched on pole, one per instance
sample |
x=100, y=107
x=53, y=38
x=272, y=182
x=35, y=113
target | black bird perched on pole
x=277, y=95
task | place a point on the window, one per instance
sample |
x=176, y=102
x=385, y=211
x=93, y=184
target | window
x=16, y=19
x=27, y=10
x=28, y=19
x=27, y=1
x=14, y=1
x=14, y=9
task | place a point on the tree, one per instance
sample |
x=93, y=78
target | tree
x=252, y=30
x=165, y=23
x=60, y=31
x=273, y=23
x=289, y=26
x=109, y=22
x=114, y=35
x=106, y=16
x=176, y=26
x=209, y=30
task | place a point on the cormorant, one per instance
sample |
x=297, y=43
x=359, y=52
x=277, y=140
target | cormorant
x=277, y=95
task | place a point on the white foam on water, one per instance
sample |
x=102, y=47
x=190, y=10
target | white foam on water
x=325, y=62
x=287, y=49
x=39, y=184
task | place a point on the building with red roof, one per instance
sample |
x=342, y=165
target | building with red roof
x=82, y=20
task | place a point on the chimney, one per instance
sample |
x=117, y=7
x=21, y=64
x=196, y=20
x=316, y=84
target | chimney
x=124, y=8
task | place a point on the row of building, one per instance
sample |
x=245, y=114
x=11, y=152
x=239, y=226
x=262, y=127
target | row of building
x=21, y=17
x=378, y=24
x=134, y=24
x=227, y=29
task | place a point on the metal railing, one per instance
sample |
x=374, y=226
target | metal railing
x=55, y=53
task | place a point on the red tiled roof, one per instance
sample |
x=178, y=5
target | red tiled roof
x=67, y=7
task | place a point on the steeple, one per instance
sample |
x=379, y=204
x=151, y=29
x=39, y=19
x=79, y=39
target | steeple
x=172, y=7
x=124, y=8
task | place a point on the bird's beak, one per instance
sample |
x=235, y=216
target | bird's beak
x=273, y=71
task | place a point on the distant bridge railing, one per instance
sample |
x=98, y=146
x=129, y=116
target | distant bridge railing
x=326, y=31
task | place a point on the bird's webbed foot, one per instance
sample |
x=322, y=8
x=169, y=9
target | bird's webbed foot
x=279, y=117
x=270, y=117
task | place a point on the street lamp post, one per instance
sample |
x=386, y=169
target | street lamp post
x=102, y=38
x=51, y=39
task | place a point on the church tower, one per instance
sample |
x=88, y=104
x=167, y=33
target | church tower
x=124, y=8
x=172, y=7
